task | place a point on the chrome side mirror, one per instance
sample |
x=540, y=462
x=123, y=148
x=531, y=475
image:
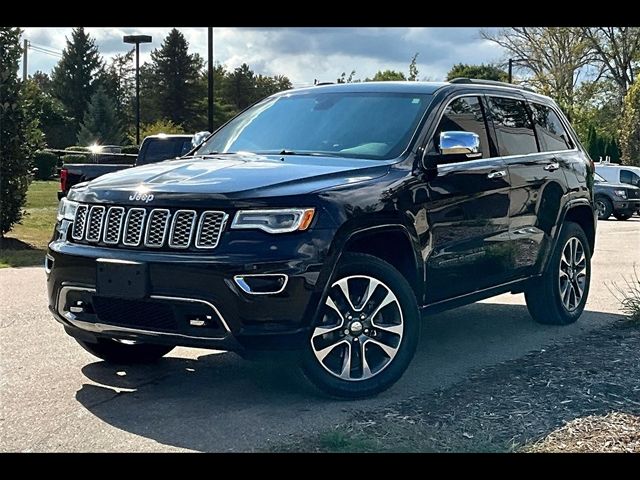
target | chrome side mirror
x=460, y=143
x=199, y=137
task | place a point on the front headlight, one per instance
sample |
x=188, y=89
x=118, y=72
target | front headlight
x=280, y=220
x=620, y=193
x=67, y=209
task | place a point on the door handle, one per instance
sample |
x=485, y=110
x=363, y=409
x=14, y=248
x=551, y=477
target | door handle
x=552, y=167
x=498, y=174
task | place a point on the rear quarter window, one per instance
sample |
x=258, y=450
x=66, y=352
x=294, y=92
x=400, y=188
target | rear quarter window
x=551, y=132
x=513, y=127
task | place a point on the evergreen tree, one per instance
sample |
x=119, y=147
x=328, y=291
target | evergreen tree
x=590, y=143
x=74, y=76
x=118, y=80
x=386, y=76
x=241, y=87
x=101, y=123
x=482, y=71
x=18, y=134
x=172, y=85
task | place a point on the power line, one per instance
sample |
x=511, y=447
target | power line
x=35, y=49
x=47, y=49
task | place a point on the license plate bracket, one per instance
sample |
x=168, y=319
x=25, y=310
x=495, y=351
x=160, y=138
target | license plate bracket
x=122, y=279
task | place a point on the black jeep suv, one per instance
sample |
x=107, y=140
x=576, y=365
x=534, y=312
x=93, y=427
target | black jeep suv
x=325, y=221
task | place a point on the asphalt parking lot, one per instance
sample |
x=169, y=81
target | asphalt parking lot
x=54, y=396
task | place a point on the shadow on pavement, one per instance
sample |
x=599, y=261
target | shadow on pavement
x=220, y=402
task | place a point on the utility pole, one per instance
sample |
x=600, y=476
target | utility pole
x=511, y=70
x=210, y=75
x=25, y=47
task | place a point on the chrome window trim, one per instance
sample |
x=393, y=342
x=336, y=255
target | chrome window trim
x=106, y=225
x=148, y=228
x=239, y=280
x=223, y=223
x=126, y=227
x=88, y=228
x=173, y=225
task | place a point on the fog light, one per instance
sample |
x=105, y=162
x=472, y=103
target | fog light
x=267, y=284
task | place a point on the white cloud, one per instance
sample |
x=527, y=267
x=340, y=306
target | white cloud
x=302, y=54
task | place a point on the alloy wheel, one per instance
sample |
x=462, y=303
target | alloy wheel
x=572, y=276
x=361, y=328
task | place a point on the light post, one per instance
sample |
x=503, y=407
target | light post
x=137, y=39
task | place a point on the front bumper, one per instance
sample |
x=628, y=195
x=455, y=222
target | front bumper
x=184, y=286
x=626, y=206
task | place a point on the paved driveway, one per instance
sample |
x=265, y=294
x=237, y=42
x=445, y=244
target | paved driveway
x=56, y=397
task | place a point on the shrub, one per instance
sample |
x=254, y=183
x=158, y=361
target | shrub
x=629, y=296
x=161, y=126
x=46, y=163
x=76, y=148
x=75, y=158
x=134, y=149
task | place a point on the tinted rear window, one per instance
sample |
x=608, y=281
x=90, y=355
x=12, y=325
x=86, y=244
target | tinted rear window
x=551, y=133
x=158, y=149
x=513, y=127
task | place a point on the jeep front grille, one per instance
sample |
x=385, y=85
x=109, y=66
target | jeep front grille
x=152, y=228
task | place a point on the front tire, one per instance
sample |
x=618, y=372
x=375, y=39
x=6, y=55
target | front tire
x=604, y=208
x=559, y=296
x=120, y=353
x=368, y=330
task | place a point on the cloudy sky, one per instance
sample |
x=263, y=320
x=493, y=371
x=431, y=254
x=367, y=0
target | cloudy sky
x=302, y=54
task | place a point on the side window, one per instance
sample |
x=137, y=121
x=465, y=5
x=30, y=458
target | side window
x=511, y=122
x=627, y=176
x=551, y=133
x=466, y=114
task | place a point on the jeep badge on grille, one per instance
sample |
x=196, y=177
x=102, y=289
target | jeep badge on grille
x=143, y=197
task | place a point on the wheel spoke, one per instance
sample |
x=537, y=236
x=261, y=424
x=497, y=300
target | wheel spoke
x=371, y=287
x=390, y=351
x=322, y=354
x=345, y=372
x=366, y=370
x=389, y=298
x=344, y=286
x=331, y=304
x=395, y=329
x=564, y=258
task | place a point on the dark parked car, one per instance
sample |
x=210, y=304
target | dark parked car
x=619, y=199
x=154, y=148
x=325, y=221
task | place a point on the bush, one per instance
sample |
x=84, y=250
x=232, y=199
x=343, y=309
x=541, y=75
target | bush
x=130, y=149
x=75, y=158
x=161, y=126
x=46, y=163
x=629, y=296
x=76, y=148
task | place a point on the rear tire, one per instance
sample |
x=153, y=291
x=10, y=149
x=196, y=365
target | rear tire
x=604, y=207
x=120, y=353
x=622, y=216
x=379, y=322
x=558, y=297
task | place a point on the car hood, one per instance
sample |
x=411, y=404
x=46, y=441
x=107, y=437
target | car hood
x=238, y=176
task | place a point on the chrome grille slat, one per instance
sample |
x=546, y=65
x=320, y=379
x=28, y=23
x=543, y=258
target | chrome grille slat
x=153, y=228
x=210, y=227
x=77, y=233
x=133, y=227
x=113, y=225
x=157, y=227
x=182, y=228
x=94, y=226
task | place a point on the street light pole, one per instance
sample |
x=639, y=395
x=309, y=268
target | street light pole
x=137, y=40
x=210, y=75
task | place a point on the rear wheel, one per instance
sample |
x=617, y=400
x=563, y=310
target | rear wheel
x=558, y=297
x=124, y=353
x=368, y=330
x=622, y=216
x=604, y=207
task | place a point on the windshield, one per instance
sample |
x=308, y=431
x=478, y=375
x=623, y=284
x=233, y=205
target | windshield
x=598, y=178
x=344, y=124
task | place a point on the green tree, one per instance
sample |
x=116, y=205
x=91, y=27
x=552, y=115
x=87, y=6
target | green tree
x=482, y=71
x=74, y=77
x=553, y=57
x=387, y=76
x=240, y=87
x=18, y=134
x=413, y=69
x=161, y=126
x=172, y=87
x=101, y=124
x=119, y=80
x=630, y=126
x=52, y=118
x=344, y=79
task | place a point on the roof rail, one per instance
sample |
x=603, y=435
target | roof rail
x=319, y=84
x=489, y=82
